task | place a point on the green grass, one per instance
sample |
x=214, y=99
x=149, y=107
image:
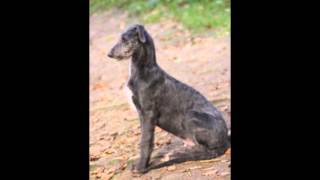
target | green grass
x=197, y=15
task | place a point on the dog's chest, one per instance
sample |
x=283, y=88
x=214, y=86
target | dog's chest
x=131, y=86
x=129, y=94
x=129, y=97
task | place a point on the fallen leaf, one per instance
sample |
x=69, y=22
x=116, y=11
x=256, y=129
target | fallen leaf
x=161, y=142
x=136, y=174
x=94, y=173
x=210, y=173
x=123, y=141
x=209, y=168
x=111, y=170
x=114, y=136
x=97, y=172
x=228, y=151
x=177, y=60
x=158, y=130
x=224, y=173
x=123, y=166
x=172, y=168
x=132, y=139
x=108, y=175
x=133, y=157
x=195, y=167
x=158, y=142
x=166, y=133
x=98, y=176
x=162, y=170
x=94, y=158
x=167, y=142
x=125, y=157
x=165, y=158
x=109, y=151
x=99, y=86
x=224, y=160
x=210, y=160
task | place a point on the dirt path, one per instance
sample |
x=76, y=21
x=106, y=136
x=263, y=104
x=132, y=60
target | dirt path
x=203, y=62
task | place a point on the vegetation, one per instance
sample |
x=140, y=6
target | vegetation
x=196, y=15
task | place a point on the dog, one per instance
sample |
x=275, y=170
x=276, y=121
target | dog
x=163, y=101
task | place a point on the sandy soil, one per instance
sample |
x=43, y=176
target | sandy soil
x=198, y=60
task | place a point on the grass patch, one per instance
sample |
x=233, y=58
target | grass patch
x=196, y=15
x=113, y=162
x=93, y=167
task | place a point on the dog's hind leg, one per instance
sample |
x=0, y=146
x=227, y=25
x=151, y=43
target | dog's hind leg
x=212, y=143
x=209, y=131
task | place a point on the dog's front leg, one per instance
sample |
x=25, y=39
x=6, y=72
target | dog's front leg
x=146, y=144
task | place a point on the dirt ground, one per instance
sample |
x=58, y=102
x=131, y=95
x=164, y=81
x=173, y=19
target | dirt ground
x=201, y=61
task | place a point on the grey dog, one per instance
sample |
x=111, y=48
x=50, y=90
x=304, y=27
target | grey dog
x=163, y=101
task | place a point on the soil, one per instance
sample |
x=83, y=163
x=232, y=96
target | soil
x=202, y=61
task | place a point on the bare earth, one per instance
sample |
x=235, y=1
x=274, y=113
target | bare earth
x=200, y=61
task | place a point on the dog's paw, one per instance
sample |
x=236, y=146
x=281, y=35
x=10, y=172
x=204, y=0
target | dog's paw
x=138, y=170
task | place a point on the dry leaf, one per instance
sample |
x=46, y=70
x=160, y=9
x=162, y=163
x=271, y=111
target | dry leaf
x=123, y=141
x=195, y=167
x=123, y=166
x=98, y=176
x=158, y=142
x=97, y=172
x=109, y=151
x=228, y=151
x=224, y=160
x=210, y=168
x=210, y=160
x=163, y=141
x=111, y=170
x=114, y=136
x=132, y=139
x=210, y=173
x=224, y=173
x=133, y=157
x=158, y=130
x=167, y=142
x=125, y=157
x=172, y=168
x=94, y=158
x=99, y=86
x=108, y=175
x=165, y=158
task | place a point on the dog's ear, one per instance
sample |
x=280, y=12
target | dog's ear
x=141, y=33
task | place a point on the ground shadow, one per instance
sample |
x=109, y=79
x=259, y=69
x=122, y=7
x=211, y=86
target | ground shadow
x=178, y=154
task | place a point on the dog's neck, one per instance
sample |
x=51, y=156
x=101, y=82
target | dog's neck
x=143, y=59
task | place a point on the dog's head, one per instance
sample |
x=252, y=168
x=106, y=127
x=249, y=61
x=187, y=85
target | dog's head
x=128, y=43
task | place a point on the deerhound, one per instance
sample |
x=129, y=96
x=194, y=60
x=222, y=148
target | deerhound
x=163, y=101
